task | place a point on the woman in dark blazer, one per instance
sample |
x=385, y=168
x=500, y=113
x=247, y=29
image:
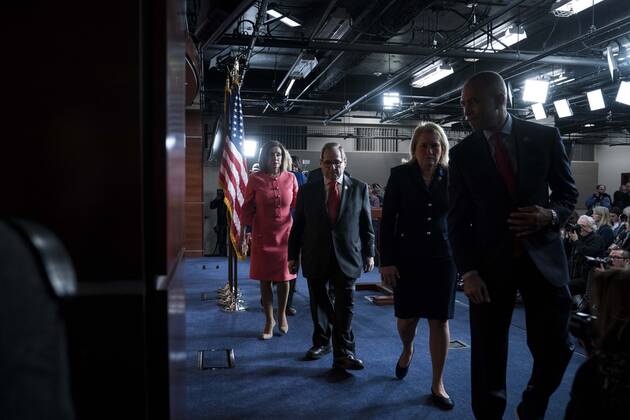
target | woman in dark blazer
x=416, y=256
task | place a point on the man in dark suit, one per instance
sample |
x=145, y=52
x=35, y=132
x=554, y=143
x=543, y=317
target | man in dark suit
x=332, y=232
x=510, y=190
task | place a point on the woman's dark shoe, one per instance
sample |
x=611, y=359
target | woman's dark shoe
x=401, y=372
x=443, y=403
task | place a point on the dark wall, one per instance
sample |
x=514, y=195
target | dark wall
x=93, y=148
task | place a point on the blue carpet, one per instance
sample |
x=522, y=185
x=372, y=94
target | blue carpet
x=271, y=379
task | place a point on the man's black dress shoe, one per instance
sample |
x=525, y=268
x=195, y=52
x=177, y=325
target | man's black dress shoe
x=443, y=403
x=291, y=311
x=348, y=362
x=317, y=352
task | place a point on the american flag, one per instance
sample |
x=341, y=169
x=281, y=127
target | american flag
x=233, y=169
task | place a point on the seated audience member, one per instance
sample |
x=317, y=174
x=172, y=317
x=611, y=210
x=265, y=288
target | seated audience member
x=601, y=216
x=584, y=243
x=620, y=258
x=599, y=198
x=375, y=202
x=622, y=241
x=615, y=222
x=622, y=197
x=601, y=388
x=379, y=191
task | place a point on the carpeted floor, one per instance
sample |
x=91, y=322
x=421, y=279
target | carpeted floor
x=272, y=380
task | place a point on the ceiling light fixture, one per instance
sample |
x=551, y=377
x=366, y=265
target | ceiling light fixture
x=623, y=95
x=539, y=111
x=511, y=36
x=566, y=8
x=391, y=100
x=563, y=108
x=431, y=74
x=595, y=100
x=304, y=66
x=501, y=40
x=286, y=93
x=283, y=17
x=535, y=90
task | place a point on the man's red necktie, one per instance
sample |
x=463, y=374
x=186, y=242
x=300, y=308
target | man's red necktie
x=504, y=165
x=333, y=201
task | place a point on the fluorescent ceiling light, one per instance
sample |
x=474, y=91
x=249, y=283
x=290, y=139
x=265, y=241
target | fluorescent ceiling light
x=249, y=148
x=595, y=99
x=623, y=95
x=286, y=93
x=502, y=39
x=563, y=108
x=564, y=8
x=510, y=37
x=290, y=22
x=431, y=74
x=283, y=18
x=391, y=100
x=274, y=13
x=564, y=81
x=535, y=90
x=539, y=111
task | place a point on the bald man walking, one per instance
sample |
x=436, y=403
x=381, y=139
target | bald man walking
x=504, y=228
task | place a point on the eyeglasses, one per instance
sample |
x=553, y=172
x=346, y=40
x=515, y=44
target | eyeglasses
x=615, y=257
x=329, y=163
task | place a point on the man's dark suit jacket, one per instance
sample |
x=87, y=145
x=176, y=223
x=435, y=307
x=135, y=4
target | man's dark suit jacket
x=351, y=238
x=480, y=203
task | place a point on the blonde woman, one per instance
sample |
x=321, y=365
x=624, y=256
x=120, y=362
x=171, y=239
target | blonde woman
x=601, y=216
x=416, y=258
x=270, y=196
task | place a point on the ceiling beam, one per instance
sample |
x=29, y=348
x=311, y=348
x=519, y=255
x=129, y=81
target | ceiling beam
x=294, y=43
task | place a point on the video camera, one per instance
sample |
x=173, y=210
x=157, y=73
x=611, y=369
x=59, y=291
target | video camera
x=596, y=262
x=582, y=327
x=570, y=228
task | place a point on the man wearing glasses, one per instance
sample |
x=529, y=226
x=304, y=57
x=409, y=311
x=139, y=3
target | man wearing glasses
x=332, y=233
x=620, y=258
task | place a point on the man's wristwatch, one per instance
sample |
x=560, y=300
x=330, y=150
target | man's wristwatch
x=555, y=222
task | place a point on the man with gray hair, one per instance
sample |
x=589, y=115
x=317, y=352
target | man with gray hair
x=504, y=228
x=332, y=234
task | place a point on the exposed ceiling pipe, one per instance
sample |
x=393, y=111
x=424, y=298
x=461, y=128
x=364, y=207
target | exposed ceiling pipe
x=327, y=12
x=411, y=68
x=409, y=50
x=603, y=30
x=338, y=56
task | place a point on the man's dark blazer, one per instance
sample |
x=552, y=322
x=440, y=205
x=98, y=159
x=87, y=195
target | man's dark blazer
x=351, y=238
x=480, y=203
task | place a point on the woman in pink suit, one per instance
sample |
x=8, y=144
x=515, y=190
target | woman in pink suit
x=270, y=196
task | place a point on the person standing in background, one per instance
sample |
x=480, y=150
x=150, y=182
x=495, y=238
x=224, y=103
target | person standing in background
x=599, y=198
x=296, y=170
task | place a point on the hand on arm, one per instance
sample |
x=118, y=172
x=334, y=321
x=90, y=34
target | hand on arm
x=528, y=220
